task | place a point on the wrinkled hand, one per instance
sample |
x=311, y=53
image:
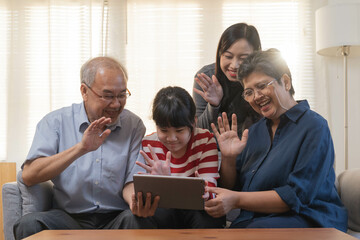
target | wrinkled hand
x=140, y=209
x=224, y=201
x=155, y=166
x=94, y=136
x=229, y=142
x=212, y=90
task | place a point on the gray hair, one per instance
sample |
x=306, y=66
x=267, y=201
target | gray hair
x=89, y=69
x=268, y=62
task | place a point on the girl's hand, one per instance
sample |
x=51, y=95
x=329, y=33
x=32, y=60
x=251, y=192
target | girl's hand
x=212, y=90
x=155, y=166
x=229, y=142
x=224, y=201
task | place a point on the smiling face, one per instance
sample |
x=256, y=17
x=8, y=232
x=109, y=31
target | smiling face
x=274, y=99
x=108, y=82
x=174, y=139
x=231, y=59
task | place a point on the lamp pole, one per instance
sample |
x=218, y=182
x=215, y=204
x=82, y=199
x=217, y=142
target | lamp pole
x=345, y=51
x=332, y=38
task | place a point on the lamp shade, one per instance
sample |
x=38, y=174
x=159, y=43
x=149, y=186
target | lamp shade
x=338, y=25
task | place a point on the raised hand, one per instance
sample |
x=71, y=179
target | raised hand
x=212, y=90
x=155, y=166
x=95, y=135
x=229, y=142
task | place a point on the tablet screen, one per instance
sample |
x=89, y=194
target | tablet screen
x=174, y=191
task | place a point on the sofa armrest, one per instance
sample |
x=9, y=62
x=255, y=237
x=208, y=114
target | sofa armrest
x=11, y=207
x=36, y=198
x=349, y=192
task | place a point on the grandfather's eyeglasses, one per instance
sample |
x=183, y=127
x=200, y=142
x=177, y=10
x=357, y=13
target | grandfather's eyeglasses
x=110, y=98
x=249, y=93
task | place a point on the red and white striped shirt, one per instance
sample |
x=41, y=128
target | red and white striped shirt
x=201, y=155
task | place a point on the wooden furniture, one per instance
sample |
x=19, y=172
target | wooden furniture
x=191, y=234
x=7, y=174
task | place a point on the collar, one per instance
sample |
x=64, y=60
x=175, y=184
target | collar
x=294, y=113
x=83, y=121
x=297, y=111
x=117, y=124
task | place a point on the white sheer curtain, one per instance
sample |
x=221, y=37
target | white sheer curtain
x=43, y=44
x=169, y=41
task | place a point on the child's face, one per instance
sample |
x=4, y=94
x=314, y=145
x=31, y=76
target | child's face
x=174, y=139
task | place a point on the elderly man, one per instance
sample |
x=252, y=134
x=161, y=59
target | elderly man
x=88, y=150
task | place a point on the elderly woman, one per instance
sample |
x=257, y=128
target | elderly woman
x=281, y=171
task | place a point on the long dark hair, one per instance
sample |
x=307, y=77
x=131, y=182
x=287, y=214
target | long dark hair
x=174, y=107
x=232, y=102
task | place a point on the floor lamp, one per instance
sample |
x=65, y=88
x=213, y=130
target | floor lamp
x=338, y=34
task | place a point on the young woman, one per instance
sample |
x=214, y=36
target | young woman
x=282, y=168
x=216, y=88
x=179, y=148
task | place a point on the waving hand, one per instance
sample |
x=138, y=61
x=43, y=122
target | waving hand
x=155, y=166
x=95, y=135
x=212, y=90
x=229, y=142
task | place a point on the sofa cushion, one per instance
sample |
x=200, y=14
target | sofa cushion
x=350, y=195
x=36, y=198
x=11, y=207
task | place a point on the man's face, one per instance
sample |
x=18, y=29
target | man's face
x=109, y=83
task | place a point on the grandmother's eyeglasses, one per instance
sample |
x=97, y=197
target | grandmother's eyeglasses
x=249, y=93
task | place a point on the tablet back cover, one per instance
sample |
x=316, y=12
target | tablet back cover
x=174, y=192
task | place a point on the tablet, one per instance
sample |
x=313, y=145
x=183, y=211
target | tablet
x=175, y=192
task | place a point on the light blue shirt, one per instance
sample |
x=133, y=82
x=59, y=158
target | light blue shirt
x=94, y=182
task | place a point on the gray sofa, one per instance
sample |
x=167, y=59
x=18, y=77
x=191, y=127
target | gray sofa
x=19, y=200
x=349, y=191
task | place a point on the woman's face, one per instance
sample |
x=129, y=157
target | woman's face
x=231, y=59
x=268, y=98
x=174, y=139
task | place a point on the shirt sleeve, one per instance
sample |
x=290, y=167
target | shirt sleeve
x=45, y=142
x=209, y=162
x=312, y=168
x=134, y=153
x=205, y=112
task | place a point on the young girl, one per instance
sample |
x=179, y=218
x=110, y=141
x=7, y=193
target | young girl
x=178, y=148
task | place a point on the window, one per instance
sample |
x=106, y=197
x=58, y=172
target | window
x=4, y=46
x=44, y=43
x=169, y=41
